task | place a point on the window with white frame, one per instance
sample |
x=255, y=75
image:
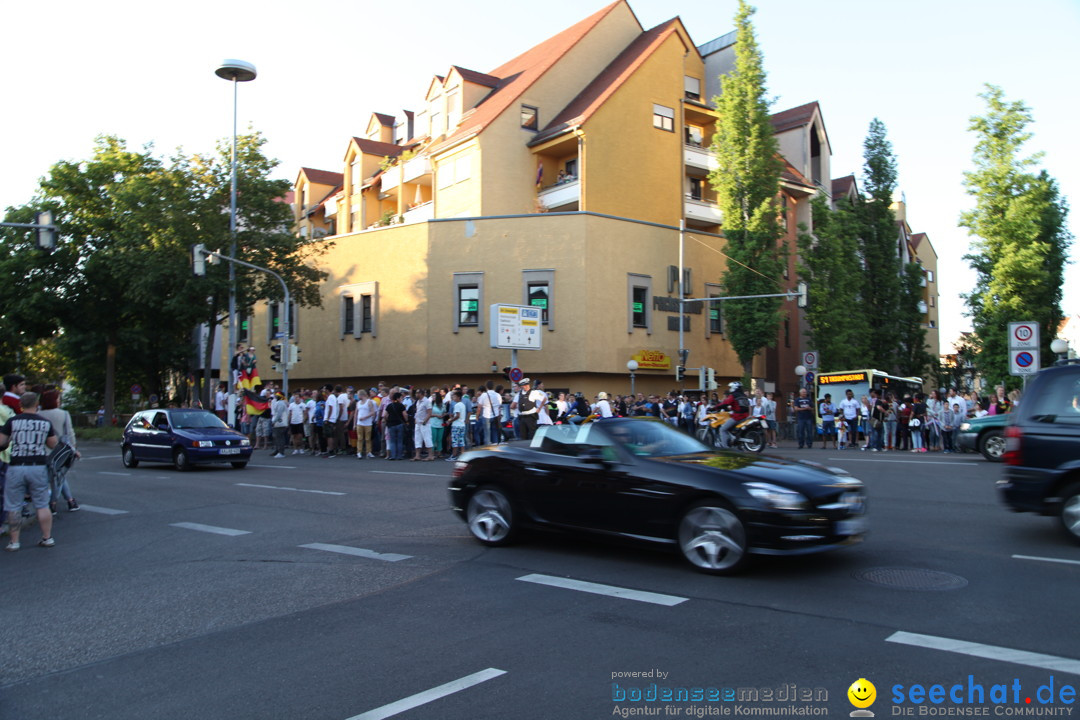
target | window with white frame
x=663, y=118
x=359, y=307
x=692, y=87
x=639, y=297
x=538, y=290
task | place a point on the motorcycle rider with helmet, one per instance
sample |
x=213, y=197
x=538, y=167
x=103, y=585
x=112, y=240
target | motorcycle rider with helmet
x=738, y=404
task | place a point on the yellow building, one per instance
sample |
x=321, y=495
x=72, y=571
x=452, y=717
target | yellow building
x=559, y=180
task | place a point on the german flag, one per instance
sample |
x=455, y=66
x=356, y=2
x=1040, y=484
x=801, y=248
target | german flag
x=249, y=380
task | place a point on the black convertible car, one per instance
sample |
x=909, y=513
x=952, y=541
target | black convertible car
x=644, y=480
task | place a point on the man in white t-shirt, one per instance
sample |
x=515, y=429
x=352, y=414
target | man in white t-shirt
x=603, y=406
x=330, y=419
x=490, y=408
x=365, y=419
x=540, y=398
x=221, y=399
x=296, y=424
x=309, y=426
x=850, y=408
x=422, y=432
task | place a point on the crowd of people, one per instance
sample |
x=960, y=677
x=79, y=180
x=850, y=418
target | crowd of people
x=32, y=425
x=883, y=422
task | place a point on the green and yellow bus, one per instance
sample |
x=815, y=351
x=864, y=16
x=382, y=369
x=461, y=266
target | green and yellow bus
x=861, y=382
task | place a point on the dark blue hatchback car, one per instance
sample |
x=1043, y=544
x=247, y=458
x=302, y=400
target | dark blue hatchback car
x=182, y=437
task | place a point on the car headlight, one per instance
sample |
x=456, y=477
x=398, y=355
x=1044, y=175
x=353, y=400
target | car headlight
x=206, y=443
x=965, y=426
x=245, y=442
x=778, y=497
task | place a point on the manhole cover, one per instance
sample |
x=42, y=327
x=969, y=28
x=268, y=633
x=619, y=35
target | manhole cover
x=911, y=578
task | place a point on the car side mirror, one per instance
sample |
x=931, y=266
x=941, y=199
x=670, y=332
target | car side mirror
x=163, y=427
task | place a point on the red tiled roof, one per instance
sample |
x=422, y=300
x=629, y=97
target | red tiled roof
x=916, y=239
x=790, y=174
x=607, y=82
x=322, y=177
x=793, y=117
x=374, y=147
x=519, y=74
x=477, y=78
x=842, y=187
x=384, y=120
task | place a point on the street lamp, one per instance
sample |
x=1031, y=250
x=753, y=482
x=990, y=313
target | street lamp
x=632, y=366
x=238, y=71
x=1060, y=348
x=800, y=370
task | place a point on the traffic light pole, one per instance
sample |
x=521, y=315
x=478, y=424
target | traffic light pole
x=286, y=351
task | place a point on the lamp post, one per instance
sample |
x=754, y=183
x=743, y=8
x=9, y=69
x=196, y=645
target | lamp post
x=238, y=71
x=1060, y=348
x=632, y=366
x=800, y=370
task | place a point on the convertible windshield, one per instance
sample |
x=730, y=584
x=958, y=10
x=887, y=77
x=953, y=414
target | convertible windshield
x=196, y=419
x=648, y=438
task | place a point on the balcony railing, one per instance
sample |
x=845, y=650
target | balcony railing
x=391, y=178
x=561, y=195
x=702, y=211
x=417, y=167
x=420, y=213
x=923, y=307
x=699, y=157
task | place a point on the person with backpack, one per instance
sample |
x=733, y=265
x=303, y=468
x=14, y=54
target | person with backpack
x=738, y=405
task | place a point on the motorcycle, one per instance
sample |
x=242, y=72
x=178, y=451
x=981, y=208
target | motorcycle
x=748, y=435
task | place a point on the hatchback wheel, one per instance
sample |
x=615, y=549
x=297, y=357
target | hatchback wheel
x=1070, y=511
x=181, y=460
x=713, y=538
x=490, y=516
x=129, y=457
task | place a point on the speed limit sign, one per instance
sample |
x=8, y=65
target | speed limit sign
x=809, y=360
x=1023, y=335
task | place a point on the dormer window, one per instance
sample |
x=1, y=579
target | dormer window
x=530, y=118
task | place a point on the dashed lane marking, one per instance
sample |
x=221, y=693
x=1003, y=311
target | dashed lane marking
x=990, y=652
x=609, y=590
x=292, y=489
x=423, y=698
x=103, y=510
x=1047, y=559
x=358, y=552
x=210, y=529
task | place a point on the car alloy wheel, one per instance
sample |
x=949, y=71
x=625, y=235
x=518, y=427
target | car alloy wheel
x=1070, y=511
x=129, y=457
x=490, y=516
x=180, y=460
x=992, y=446
x=713, y=538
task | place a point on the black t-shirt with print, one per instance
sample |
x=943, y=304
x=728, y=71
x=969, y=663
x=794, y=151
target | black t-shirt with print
x=27, y=434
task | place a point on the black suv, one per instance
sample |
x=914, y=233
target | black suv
x=1042, y=449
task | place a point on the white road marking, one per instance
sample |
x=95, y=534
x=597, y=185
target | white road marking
x=423, y=698
x=101, y=457
x=105, y=472
x=210, y=529
x=1046, y=559
x=274, y=487
x=610, y=590
x=103, y=510
x=274, y=467
x=920, y=462
x=358, y=552
x=391, y=472
x=990, y=652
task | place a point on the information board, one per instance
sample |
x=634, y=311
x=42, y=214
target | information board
x=516, y=327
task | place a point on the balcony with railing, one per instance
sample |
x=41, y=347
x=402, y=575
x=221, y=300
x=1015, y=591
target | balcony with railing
x=923, y=307
x=390, y=178
x=416, y=168
x=700, y=213
x=419, y=213
x=696, y=156
x=564, y=196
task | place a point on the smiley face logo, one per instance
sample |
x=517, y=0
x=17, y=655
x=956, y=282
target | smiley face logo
x=862, y=693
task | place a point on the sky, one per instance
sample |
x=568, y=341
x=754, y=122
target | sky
x=145, y=72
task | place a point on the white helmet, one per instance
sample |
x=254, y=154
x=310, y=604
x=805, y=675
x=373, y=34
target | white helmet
x=734, y=385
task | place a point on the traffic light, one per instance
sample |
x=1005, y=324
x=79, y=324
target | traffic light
x=294, y=354
x=680, y=373
x=198, y=259
x=710, y=379
x=46, y=232
x=803, y=300
x=275, y=353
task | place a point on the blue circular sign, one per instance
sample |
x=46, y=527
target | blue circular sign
x=810, y=377
x=1024, y=359
x=516, y=374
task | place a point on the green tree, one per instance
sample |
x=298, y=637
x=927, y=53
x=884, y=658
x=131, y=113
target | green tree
x=883, y=290
x=747, y=180
x=1021, y=241
x=829, y=262
x=912, y=358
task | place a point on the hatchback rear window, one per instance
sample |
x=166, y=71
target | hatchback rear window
x=1057, y=400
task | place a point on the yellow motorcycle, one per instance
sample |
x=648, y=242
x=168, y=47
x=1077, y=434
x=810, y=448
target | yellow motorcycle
x=748, y=435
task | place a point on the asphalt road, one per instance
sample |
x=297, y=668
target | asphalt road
x=340, y=589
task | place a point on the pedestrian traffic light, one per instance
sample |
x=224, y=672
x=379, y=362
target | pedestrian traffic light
x=680, y=373
x=294, y=354
x=46, y=232
x=710, y=379
x=198, y=259
x=275, y=353
x=803, y=299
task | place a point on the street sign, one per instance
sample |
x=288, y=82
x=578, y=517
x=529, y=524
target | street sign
x=1023, y=335
x=809, y=360
x=516, y=327
x=1023, y=362
x=516, y=375
x=809, y=377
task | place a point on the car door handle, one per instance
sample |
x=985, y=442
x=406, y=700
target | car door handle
x=538, y=471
